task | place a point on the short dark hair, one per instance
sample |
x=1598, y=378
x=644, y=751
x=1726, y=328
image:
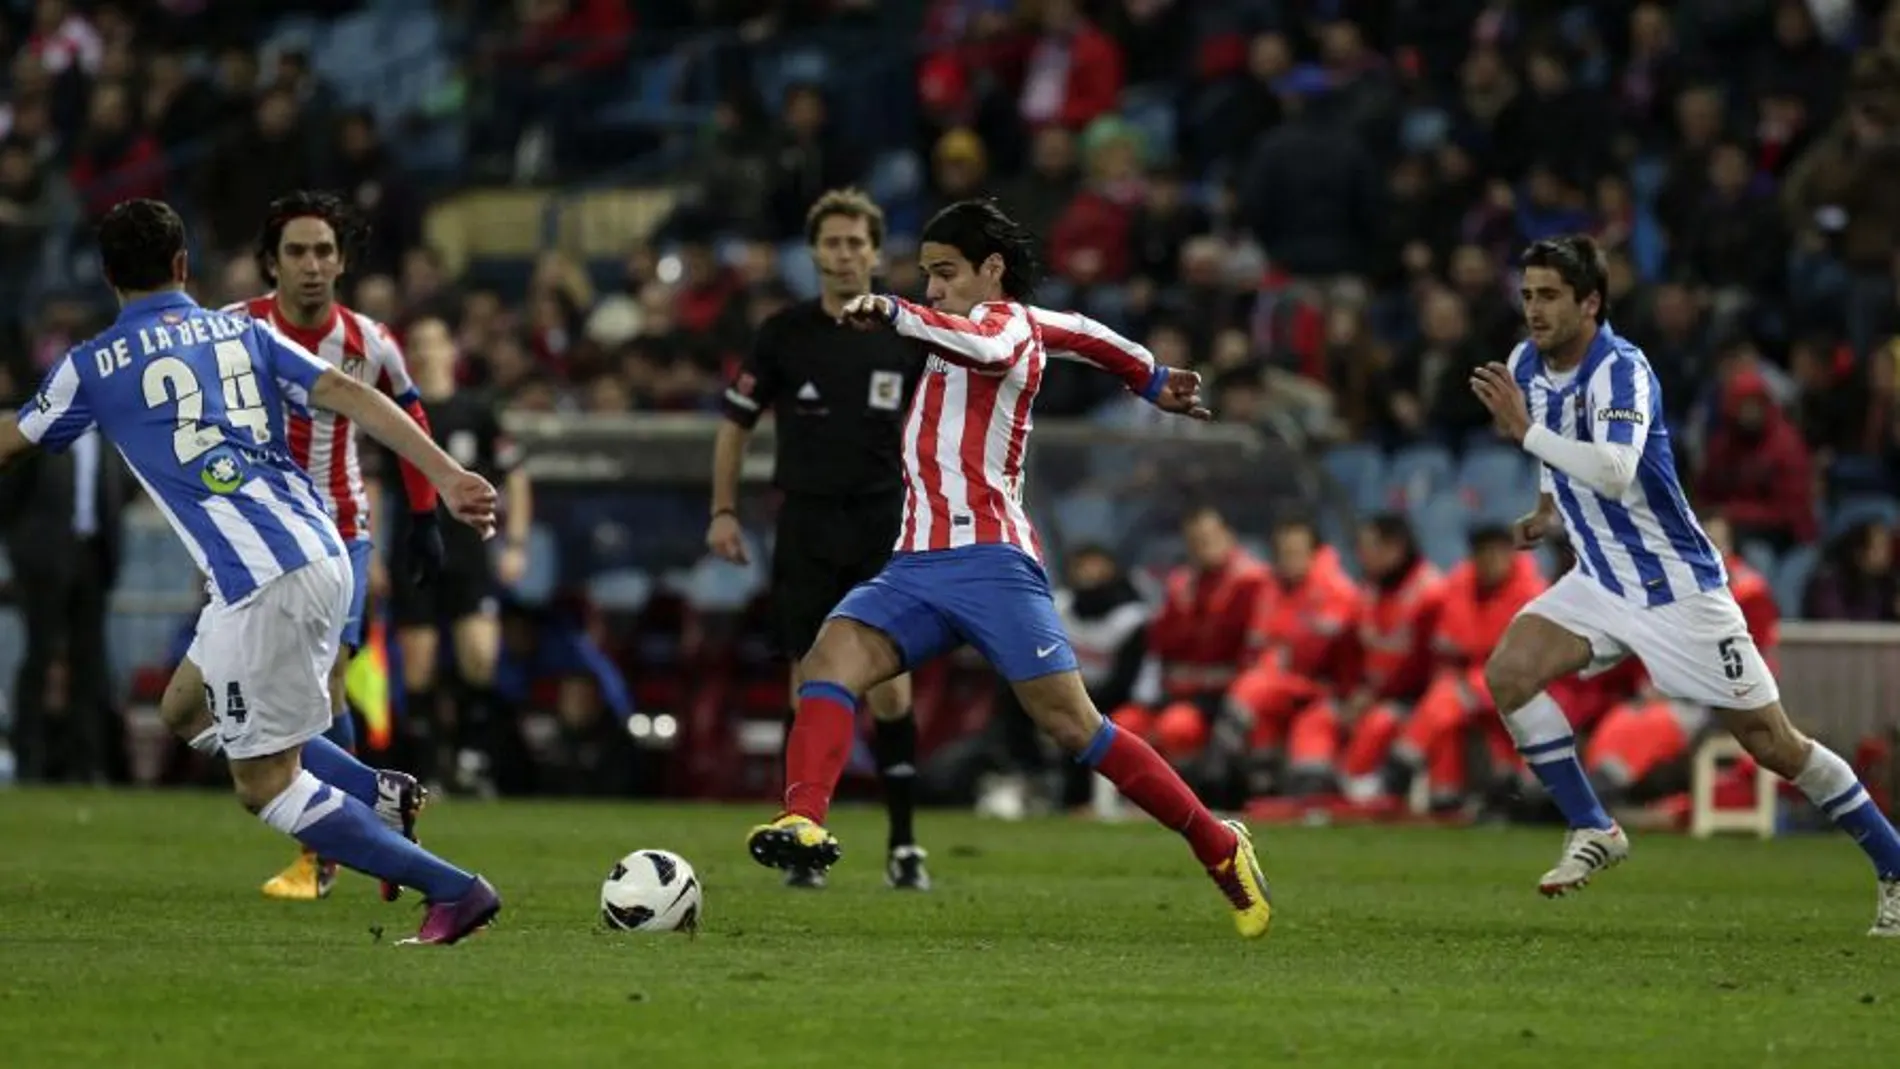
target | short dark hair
x=979, y=229
x=1579, y=261
x=1392, y=527
x=1491, y=534
x=849, y=203
x=1297, y=521
x=307, y=204
x=138, y=240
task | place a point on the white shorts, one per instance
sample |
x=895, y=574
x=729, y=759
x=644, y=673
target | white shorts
x=266, y=660
x=1696, y=649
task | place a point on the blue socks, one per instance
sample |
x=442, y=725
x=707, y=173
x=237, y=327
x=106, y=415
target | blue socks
x=338, y=826
x=340, y=768
x=1543, y=736
x=1830, y=783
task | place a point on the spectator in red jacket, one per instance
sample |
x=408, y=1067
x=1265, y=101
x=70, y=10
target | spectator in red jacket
x=1757, y=470
x=1075, y=71
x=1200, y=636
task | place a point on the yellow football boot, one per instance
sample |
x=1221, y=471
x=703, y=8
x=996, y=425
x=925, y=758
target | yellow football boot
x=306, y=880
x=793, y=842
x=1245, y=886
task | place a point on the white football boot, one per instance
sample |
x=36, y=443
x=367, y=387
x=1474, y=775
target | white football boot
x=1587, y=851
x=1887, y=916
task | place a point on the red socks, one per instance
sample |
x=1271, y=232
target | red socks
x=819, y=746
x=1151, y=783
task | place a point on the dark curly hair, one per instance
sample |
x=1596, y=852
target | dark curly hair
x=1579, y=262
x=349, y=227
x=979, y=229
x=138, y=240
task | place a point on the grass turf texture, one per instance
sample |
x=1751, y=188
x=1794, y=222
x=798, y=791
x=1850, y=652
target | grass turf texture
x=132, y=934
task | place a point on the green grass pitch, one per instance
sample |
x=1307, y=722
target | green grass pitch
x=132, y=935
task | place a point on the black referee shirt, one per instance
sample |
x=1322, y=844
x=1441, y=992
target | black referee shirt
x=840, y=396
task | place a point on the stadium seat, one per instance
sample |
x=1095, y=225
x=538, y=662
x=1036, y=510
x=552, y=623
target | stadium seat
x=1086, y=517
x=1442, y=525
x=1761, y=557
x=1789, y=580
x=1501, y=484
x=1359, y=472
x=1860, y=509
x=1857, y=476
x=1418, y=473
x=623, y=590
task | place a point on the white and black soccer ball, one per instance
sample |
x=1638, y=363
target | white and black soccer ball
x=651, y=891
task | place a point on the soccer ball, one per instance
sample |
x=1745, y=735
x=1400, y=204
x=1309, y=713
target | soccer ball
x=651, y=891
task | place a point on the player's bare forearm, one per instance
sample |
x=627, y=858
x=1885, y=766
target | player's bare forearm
x=13, y=442
x=728, y=457
x=520, y=506
x=383, y=421
x=1547, y=504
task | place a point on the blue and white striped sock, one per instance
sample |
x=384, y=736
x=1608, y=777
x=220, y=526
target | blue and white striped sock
x=340, y=828
x=1544, y=737
x=1830, y=783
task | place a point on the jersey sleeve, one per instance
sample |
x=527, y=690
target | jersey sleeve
x=59, y=413
x=1620, y=403
x=392, y=368
x=392, y=377
x=1069, y=336
x=756, y=387
x=988, y=343
x=295, y=368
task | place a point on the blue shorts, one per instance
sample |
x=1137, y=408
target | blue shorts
x=994, y=597
x=353, y=625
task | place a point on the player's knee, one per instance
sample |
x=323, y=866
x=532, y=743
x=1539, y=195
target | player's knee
x=889, y=701
x=260, y=780
x=1511, y=678
x=851, y=655
x=182, y=708
x=1770, y=738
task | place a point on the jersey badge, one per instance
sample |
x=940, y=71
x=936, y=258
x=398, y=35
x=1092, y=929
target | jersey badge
x=223, y=471
x=887, y=390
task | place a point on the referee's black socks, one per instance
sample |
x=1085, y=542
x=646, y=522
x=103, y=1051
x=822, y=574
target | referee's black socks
x=894, y=745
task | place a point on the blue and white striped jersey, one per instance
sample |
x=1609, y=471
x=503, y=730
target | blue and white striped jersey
x=194, y=400
x=1645, y=546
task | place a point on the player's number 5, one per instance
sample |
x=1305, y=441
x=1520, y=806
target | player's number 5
x=169, y=380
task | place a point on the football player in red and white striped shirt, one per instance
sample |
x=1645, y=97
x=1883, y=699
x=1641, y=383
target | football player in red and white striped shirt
x=967, y=566
x=303, y=249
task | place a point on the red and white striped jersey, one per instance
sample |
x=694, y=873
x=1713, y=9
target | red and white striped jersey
x=322, y=442
x=970, y=416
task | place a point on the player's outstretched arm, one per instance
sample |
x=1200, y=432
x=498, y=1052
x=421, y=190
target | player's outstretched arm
x=1071, y=336
x=468, y=495
x=990, y=344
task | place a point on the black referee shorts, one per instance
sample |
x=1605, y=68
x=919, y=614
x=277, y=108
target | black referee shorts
x=465, y=588
x=825, y=547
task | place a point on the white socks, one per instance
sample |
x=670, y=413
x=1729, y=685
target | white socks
x=1829, y=782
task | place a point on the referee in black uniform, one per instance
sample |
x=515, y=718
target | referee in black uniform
x=463, y=600
x=840, y=397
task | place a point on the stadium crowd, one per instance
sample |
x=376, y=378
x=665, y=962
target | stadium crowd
x=1314, y=202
